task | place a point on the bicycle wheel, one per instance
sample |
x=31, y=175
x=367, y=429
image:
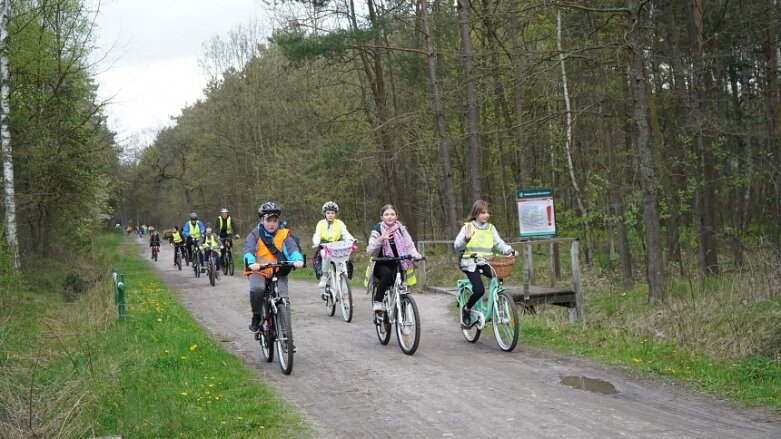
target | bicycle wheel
x=506, y=321
x=383, y=327
x=285, y=345
x=211, y=268
x=197, y=265
x=471, y=334
x=154, y=254
x=266, y=336
x=225, y=261
x=408, y=325
x=178, y=260
x=346, y=299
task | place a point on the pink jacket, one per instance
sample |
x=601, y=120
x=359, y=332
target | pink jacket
x=375, y=246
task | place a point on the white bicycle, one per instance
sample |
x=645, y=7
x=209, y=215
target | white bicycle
x=337, y=289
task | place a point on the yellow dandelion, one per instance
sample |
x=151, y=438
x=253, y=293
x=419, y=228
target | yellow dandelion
x=239, y=417
x=182, y=358
x=223, y=422
x=193, y=347
x=166, y=351
x=211, y=385
x=216, y=398
x=159, y=319
x=183, y=393
x=637, y=360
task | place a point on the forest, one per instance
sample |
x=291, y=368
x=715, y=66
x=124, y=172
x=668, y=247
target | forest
x=655, y=123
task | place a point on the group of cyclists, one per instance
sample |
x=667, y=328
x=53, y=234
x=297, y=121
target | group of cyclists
x=270, y=241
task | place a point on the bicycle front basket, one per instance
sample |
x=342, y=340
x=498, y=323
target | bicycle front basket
x=503, y=265
x=339, y=249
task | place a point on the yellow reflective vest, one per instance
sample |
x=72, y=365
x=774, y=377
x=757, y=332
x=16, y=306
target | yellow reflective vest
x=330, y=234
x=482, y=242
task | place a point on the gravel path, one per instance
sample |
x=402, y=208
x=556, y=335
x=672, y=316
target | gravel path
x=350, y=386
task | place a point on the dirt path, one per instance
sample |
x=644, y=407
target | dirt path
x=350, y=386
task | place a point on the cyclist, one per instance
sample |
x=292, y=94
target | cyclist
x=226, y=227
x=268, y=242
x=154, y=238
x=390, y=239
x=211, y=244
x=328, y=229
x=479, y=237
x=192, y=231
x=177, y=241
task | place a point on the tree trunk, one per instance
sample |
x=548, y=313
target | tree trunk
x=705, y=202
x=773, y=104
x=439, y=119
x=637, y=77
x=5, y=138
x=471, y=98
x=568, y=141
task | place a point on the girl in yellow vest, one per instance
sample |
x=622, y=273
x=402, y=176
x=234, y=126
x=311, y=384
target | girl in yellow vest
x=211, y=244
x=328, y=229
x=177, y=241
x=478, y=237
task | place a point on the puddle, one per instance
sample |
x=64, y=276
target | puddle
x=590, y=384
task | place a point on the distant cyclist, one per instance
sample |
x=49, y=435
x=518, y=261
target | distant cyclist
x=154, y=238
x=226, y=229
x=192, y=231
x=267, y=243
x=177, y=240
x=328, y=229
x=211, y=245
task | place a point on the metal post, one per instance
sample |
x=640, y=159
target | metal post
x=423, y=277
x=120, y=296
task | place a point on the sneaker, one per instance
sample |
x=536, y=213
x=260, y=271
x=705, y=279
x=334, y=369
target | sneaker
x=254, y=325
x=465, y=316
x=378, y=307
x=203, y=270
x=323, y=281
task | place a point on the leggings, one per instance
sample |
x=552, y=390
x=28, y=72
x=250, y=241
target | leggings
x=384, y=272
x=478, y=289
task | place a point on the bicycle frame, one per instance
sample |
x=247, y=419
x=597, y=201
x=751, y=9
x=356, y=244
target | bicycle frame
x=484, y=307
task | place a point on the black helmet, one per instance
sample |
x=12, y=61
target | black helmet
x=193, y=216
x=330, y=205
x=269, y=208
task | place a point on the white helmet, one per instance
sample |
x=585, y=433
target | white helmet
x=330, y=205
x=224, y=210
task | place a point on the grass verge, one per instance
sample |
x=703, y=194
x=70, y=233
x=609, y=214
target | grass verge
x=72, y=369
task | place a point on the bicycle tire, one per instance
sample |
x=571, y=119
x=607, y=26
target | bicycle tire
x=154, y=255
x=471, y=334
x=178, y=260
x=211, y=268
x=346, y=299
x=382, y=327
x=197, y=265
x=284, y=340
x=225, y=265
x=506, y=322
x=230, y=266
x=266, y=336
x=408, y=325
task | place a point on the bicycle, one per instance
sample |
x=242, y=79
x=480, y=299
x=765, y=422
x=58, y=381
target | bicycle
x=227, y=256
x=338, y=287
x=276, y=329
x=155, y=251
x=497, y=307
x=180, y=252
x=211, y=267
x=400, y=309
x=196, y=259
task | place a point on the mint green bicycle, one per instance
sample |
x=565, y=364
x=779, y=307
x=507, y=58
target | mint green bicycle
x=496, y=306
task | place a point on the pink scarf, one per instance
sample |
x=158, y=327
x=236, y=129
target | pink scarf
x=398, y=239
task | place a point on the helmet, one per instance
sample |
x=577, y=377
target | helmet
x=193, y=216
x=269, y=208
x=224, y=210
x=151, y=228
x=330, y=205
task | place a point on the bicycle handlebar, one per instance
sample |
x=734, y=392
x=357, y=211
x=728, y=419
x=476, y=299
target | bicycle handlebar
x=278, y=264
x=396, y=259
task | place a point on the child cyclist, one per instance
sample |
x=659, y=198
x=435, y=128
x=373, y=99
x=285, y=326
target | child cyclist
x=328, y=229
x=154, y=239
x=390, y=239
x=212, y=244
x=478, y=237
x=267, y=243
x=177, y=241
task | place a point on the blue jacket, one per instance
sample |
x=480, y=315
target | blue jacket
x=289, y=247
x=186, y=229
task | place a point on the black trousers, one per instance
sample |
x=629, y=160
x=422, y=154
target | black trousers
x=478, y=289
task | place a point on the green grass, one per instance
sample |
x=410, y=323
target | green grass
x=154, y=374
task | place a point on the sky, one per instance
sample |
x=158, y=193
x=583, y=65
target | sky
x=147, y=56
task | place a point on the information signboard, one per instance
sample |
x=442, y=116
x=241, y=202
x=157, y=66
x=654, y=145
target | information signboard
x=535, y=213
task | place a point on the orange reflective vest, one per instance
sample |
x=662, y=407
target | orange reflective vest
x=264, y=256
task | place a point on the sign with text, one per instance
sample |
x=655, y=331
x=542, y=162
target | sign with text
x=535, y=213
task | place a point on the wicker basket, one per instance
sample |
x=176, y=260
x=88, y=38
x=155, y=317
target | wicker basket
x=339, y=249
x=502, y=265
